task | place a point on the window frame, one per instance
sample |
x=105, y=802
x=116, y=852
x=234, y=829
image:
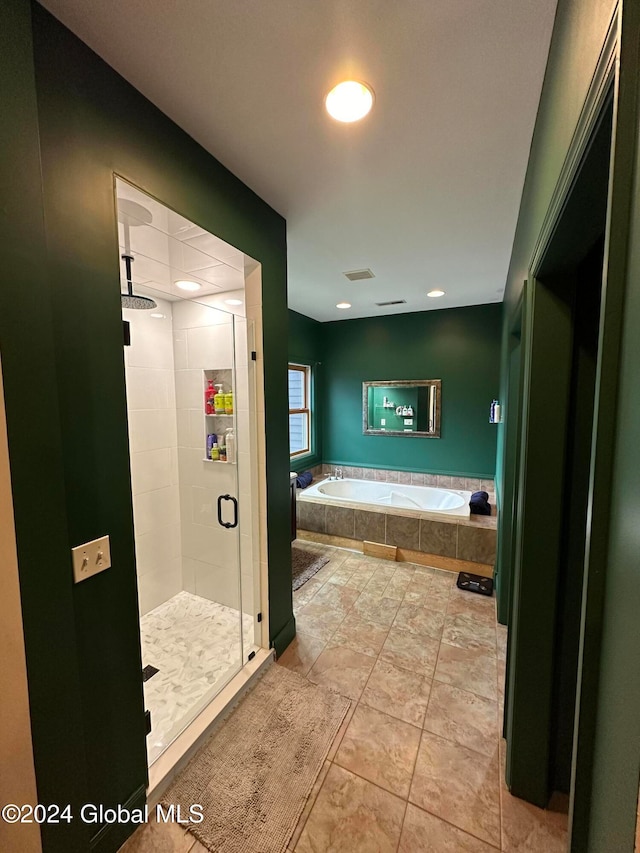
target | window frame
x=305, y=369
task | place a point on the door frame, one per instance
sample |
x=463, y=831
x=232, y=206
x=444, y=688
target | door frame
x=547, y=325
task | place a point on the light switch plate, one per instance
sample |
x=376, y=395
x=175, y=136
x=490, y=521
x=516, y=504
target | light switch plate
x=91, y=558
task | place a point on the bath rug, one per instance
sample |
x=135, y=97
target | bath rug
x=304, y=565
x=254, y=775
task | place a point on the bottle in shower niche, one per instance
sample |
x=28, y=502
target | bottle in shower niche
x=230, y=441
x=219, y=401
x=211, y=440
x=228, y=403
x=209, y=394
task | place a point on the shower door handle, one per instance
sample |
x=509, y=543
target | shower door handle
x=228, y=524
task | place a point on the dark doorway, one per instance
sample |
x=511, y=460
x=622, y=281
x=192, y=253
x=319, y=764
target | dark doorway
x=560, y=353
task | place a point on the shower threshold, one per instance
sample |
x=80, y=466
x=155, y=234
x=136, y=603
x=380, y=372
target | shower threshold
x=181, y=750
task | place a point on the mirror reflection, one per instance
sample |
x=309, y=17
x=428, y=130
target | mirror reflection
x=408, y=408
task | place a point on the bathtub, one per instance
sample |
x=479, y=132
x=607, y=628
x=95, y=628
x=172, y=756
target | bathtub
x=379, y=495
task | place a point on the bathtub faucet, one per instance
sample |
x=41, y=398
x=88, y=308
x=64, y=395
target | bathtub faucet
x=338, y=473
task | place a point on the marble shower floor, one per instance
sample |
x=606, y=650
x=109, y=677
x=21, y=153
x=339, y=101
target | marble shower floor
x=418, y=765
x=195, y=645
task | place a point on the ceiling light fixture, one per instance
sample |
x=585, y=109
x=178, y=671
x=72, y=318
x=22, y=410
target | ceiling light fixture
x=188, y=285
x=435, y=293
x=349, y=101
x=233, y=301
x=343, y=305
x=157, y=316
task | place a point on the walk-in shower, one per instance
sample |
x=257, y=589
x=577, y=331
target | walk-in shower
x=191, y=398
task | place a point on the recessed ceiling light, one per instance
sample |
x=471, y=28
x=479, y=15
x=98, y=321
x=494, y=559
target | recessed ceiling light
x=434, y=293
x=188, y=285
x=157, y=316
x=233, y=301
x=349, y=101
x=343, y=305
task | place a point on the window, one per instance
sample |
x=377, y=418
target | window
x=299, y=409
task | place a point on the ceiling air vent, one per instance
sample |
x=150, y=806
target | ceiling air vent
x=392, y=302
x=359, y=275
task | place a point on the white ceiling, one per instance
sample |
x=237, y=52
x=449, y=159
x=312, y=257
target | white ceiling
x=169, y=248
x=424, y=191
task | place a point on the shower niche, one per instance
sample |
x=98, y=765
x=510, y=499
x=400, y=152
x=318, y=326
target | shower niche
x=196, y=519
x=219, y=418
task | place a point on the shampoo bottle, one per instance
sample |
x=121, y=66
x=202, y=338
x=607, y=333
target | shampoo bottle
x=231, y=445
x=219, y=400
x=215, y=453
x=209, y=394
x=228, y=403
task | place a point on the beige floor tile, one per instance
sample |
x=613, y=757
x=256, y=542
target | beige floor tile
x=376, y=586
x=361, y=635
x=481, y=606
x=459, y=785
x=339, y=598
x=342, y=670
x=415, y=595
x=303, y=596
x=526, y=828
x=301, y=653
x=410, y=651
x=424, y=833
x=381, y=749
x=381, y=610
x=462, y=717
x=340, y=576
x=341, y=732
x=442, y=578
x=501, y=638
x=155, y=837
x=468, y=669
x=318, y=620
x=437, y=598
x=351, y=815
x=420, y=620
x=468, y=632
x=309, y=804
x=398, y=692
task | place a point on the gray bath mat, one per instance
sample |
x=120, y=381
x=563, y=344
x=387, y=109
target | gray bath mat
x=253, y=776
x=304, y=565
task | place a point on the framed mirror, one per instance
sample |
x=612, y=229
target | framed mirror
x=410, y=408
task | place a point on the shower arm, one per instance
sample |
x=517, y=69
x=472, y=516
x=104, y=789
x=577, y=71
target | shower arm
x=128, y=260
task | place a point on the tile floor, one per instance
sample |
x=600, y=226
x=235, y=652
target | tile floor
x=195, y=645
x=418, y=763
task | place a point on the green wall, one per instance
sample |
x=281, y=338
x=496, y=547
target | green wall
x=305, y=347
x=607, y=741
x=62, y=361
x=460, y=346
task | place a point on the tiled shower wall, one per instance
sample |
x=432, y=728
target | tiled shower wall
x=149, y=366
x=204, y=339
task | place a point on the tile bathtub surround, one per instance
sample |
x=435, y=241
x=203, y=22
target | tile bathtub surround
x=415, y=767
x=470, y=539
x=444, y=481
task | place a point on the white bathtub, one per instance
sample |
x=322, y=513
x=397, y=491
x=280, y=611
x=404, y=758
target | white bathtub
x=377, y=494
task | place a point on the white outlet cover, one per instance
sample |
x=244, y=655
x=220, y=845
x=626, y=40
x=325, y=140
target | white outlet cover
x=91, y=558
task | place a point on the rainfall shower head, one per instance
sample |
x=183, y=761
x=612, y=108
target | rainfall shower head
x=130, y=299
x=132, y=214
